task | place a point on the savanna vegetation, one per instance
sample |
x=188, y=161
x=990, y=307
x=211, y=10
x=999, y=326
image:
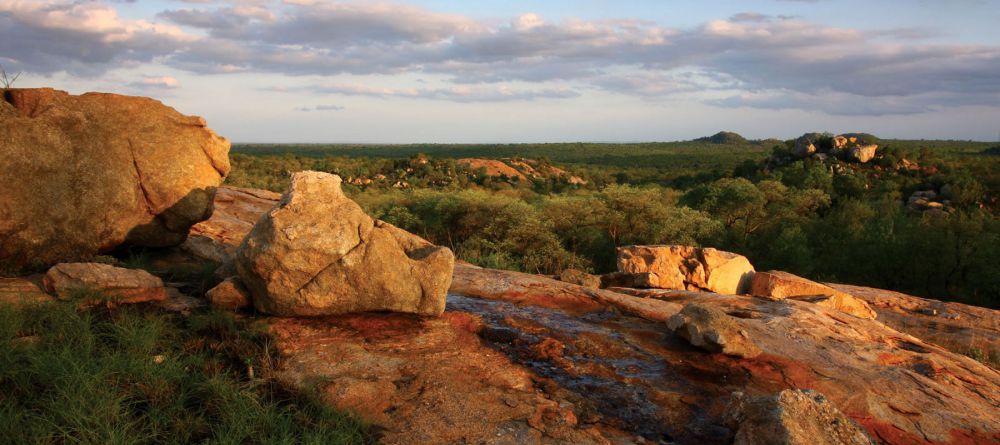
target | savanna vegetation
x=826, y=220
x=137, y=375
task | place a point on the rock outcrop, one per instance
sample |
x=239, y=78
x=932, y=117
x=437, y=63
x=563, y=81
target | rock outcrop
x=84, y=174
x=317, y=253
x=521, y=358
x=779, y=285
x=851, y=147
x=711, y=329
x=685, y=267
x=793, y=417
x=117, y=284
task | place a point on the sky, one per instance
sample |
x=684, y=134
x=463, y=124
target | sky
x=488, y=71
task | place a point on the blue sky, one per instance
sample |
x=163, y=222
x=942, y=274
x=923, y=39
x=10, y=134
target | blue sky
x=514, y=71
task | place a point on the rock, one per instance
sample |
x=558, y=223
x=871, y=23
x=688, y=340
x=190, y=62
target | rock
x=84, y=174
x=581, y=278
x=842, y=302
x=839, y=142
x=230, y=294
x=119, y=285
x=779, y=285
x=805, y=145
x=626, y=372
x=712, y=330
x=206, y=248
x=960, y=328
x=22, y=290
x=861, y=152
x=317, y=253
x=236, y=211
x=793, y=417
x=536, y=290
x=423, y=381
x=684, y=267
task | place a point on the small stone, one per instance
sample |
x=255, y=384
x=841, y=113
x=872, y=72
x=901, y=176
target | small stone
x=711, y=329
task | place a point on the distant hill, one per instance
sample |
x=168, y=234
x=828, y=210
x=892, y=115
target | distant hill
x=724, y=137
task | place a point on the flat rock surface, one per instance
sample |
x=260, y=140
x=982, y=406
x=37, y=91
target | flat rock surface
x=22, y=290
x=955, y=326
x=625, y=374
x=65, y=280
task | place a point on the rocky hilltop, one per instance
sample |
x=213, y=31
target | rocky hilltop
x=682, y=345
x=530, y=359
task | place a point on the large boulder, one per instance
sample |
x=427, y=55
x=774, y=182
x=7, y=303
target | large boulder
x=861, y=152
x=84, y=174
x=685, y=267
x=117, y=284
x=777, y=285
x=317, y=253
x=805, y=145
x=792, y=417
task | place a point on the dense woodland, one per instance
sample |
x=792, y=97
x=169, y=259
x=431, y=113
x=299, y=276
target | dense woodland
x=828, y=220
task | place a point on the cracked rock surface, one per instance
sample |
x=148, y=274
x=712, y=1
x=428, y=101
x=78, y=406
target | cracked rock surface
x=317, y=253
x=84, y=174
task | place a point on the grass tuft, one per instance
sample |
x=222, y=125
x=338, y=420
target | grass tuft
x=135, y=375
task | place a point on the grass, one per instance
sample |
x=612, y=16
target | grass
x=136, y=375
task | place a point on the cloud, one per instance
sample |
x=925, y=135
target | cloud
x=85, y=38
x=156, y=82
x=321, y=108
x=457, y=93
x=765, y=60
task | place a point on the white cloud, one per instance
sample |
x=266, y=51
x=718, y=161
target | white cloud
x=769, y=61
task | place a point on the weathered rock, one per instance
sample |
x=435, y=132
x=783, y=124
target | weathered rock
x=712, y=330
x=960, y=328
x=536, y=290
x=805, y=145
x=230, y=294
x=685, y=267
x=623, y=373
x=84, y=174
x=842, y=302
x=22, y=290
x=779, y=285
x=318, y=253
x=793, y=417
x=429, y=381
x=861, y=152
x=117, y=284
x=581, y=278
x=236, y=211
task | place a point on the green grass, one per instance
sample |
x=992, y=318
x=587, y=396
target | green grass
x=136, y=375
